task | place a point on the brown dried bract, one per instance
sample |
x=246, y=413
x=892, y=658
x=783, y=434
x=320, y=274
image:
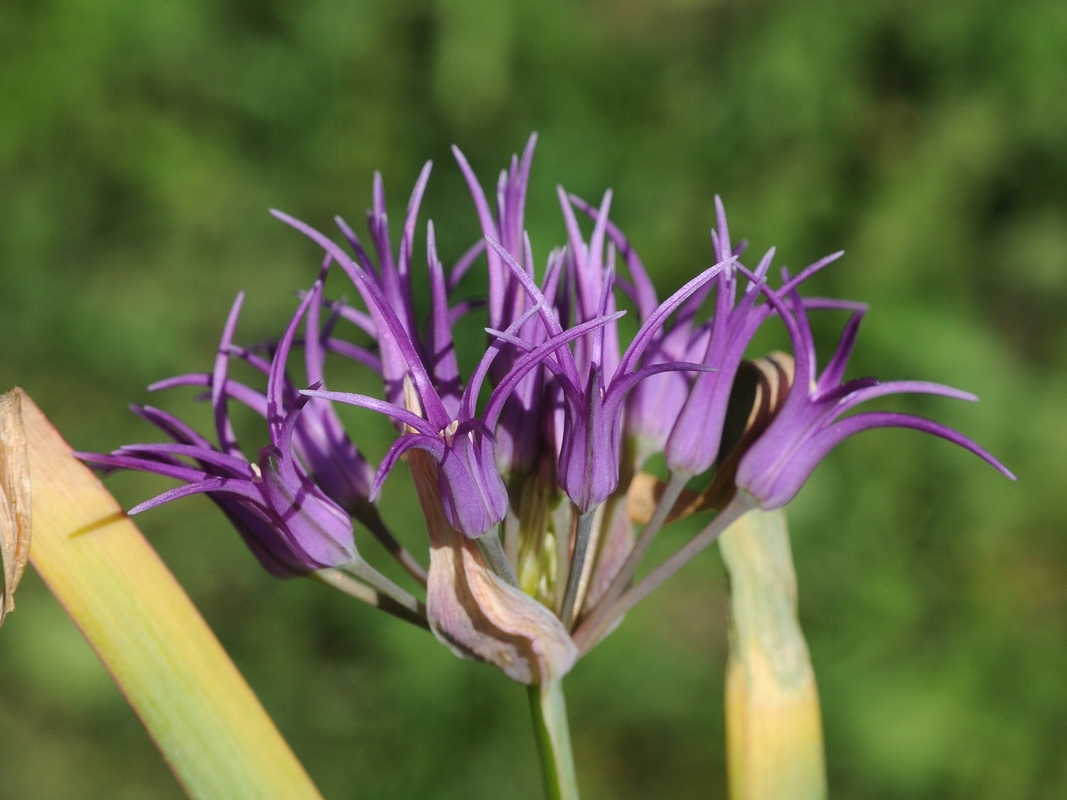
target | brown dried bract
x=759, y=390
x=15, y=515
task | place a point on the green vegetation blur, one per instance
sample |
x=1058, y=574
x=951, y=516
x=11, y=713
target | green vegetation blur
x=141, y=145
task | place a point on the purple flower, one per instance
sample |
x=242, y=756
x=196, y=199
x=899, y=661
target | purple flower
x=445, y=425
x=391, y=282
x=520, y=429
x=506, y=298
x=333, y=461
x=695, y=440
x=653, y=405
x=472, y=491
x=809, y=424
x=593, y=404
x=288, y=522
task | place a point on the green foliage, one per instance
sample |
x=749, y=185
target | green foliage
x=141, y=144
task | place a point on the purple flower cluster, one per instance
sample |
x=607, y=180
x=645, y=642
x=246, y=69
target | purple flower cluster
x=535, y=453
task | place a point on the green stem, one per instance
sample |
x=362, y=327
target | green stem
x=548, y=707
x=367, y=513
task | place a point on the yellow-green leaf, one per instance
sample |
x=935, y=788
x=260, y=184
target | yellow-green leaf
x=202, y=715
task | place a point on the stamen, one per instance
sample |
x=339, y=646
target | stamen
x=448, y=434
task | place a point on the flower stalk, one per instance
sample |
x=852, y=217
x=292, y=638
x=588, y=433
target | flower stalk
x=342, y=582
x=774, y=743
x=604, y=618
x=673, y=490
x=493, y=550
x=577, y=568
x=548, y=707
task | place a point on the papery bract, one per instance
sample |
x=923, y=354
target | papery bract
x=475, y=613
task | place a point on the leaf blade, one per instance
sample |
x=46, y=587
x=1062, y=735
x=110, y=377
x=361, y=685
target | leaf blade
x=205, y=719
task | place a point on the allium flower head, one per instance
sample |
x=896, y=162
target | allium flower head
x=529, y=491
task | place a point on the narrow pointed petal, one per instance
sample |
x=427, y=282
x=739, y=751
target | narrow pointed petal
x=440, y=346
x=171, y=425
x=466, y=261
x=277, y=382
x=400, y=447
x=168, y=469
x=355, y=244
x=901, y=387
x=407, y=240
x=223, y=429
x=643, y=291
x=539, y=355
x=810, y=270
x=655, y=321
x=834, y=371
x=238, y=466
x=257, y=401
x=354, y=353
x=431, y=403
x=724, y=250
x=374, y=404
x=842, y=429
x=225, y=485
x=614, y=397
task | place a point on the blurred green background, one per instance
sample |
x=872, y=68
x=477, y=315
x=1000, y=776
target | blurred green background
x=141, y=144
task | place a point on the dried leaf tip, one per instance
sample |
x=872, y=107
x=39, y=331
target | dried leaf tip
x=15, y=519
